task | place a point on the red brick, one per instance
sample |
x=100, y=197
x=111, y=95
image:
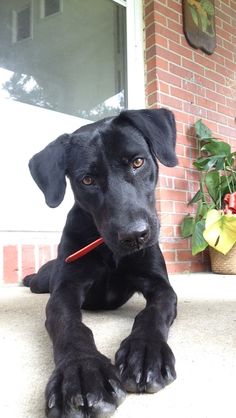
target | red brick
x=205, y=82
x=207, y=61
x=164, y=87
x=195, y=110
x=181, y=50
x=184, y=255
x=166, y=182
x=222, y=33
x=224, y=71
x=184, y=117
x=28, y=259
x=226, y=110
x=151, y=64
x=165, y=219
x=228, y=132
x=44, y=254
x=158, y=18
x=173, y=195
x=151, y=52
x=217, y=117
x=182, y=244
x=168, y=55
x=198, y=267
x=153, y=99
x=162, y=9
x=176, y=27
x=180, y=71
x=180, y=184
x=224, y=52
x=167, y=231
x=218, y=98
x=182, y=94
x=171, y=102
x=173, y=5
x=166, y=206
x=152, y=87
x=176, y=219
x=169, y=256
x=195, y=68
x=151, y=75
x=183, y=208
x=169, y=77
x=206, y=103
x=10, y=264
x=230, y=65
x=174, y=268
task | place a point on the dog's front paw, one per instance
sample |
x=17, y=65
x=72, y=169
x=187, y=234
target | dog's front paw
x=88, y=387
x=145, y=364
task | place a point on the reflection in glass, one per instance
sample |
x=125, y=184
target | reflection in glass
x=74, y=63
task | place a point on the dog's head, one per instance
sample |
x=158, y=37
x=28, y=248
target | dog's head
x=113, y=172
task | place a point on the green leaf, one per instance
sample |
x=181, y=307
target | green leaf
x=202, y=210
x=206, y=164
x=202, y=131
x=218, y=148
x=187, y=226
x=212, y=181
x=201, y=163
x=198, y=196
x=225, y=183
x=198, y=242
x=220, y=231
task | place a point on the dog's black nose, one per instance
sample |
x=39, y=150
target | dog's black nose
x=134, y=238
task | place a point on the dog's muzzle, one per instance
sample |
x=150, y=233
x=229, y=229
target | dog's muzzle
x=135, y=238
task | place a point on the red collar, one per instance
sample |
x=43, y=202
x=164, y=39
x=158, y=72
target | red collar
x=84, y=250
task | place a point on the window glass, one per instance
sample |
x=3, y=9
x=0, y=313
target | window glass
x=75, y=62
x=51, y=7
x=70, y=71
x=23, y=23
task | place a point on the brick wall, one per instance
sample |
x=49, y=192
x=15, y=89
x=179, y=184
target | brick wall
x=194, y=85
x=24, y=253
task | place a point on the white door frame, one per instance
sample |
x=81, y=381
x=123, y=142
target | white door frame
x=135, y=52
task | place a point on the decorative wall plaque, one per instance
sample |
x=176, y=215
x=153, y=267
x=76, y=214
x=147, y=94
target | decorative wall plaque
x=199, y=24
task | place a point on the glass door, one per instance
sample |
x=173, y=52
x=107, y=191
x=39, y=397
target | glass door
x=63, y=63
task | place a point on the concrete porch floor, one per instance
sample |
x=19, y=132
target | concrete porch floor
x=203, y=339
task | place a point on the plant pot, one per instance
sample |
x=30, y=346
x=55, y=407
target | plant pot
x=223, y=264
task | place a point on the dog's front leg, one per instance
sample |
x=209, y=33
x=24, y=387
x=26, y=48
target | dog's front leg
x=145, y=360
x=84, y=382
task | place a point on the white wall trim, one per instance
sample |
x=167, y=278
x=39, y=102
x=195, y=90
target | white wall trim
x=135, y=54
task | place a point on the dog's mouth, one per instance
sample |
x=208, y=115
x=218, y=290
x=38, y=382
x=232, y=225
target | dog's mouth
x=130, y=237
x=127, y=245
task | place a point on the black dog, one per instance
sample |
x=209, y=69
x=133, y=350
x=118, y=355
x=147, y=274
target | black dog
x=111, y=165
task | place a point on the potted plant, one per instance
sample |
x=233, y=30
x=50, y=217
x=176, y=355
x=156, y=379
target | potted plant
x=214, y=223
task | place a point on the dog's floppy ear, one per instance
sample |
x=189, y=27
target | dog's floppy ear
x=159, y=129
x=48, y=169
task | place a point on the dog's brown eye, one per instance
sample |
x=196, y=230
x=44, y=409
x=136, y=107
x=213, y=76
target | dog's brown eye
x=88, y=180
x=137, y=163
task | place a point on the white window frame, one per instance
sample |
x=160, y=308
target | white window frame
x=135, y=52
